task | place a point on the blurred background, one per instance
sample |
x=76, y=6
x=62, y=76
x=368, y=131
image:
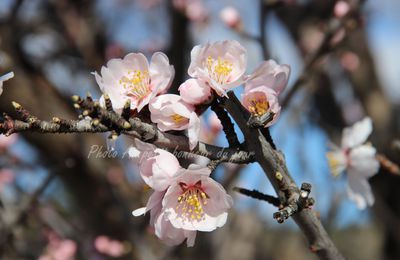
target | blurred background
x=59, y=203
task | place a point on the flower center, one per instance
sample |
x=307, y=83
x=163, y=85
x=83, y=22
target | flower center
x=177, y=118
x=191, y=201
x=136, y=84
x=219, y=69
x=335, y=164
x=258, y=107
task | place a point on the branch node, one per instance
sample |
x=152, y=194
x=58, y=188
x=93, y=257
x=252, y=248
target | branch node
x=108, y=103
x=75, y=98
x=126, y=111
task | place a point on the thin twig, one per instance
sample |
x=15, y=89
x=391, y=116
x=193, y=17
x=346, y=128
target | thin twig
x=227, y=124
x=258, y=195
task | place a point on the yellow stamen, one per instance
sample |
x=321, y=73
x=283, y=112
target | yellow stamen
x=137, y=84
x=190, y=203
x=335, y=165
x=219, y=69
x=258, y=107
x=178, y=118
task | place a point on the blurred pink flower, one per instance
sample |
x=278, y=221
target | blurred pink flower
x=6, y=176
x=7, y=141
x=338, y=36
x=350, y=61
x=157, y=166
x=341, y=8
x=358, y=160
x=210, y=130
x=220, y=64
x=170, y=112
x=3, y=78
x=108, y=246
x=263, y=87
x=196, y=11
x=146, y=4
x=195, y=91
x=231, y=17
x=133, y=78
x=59, y=249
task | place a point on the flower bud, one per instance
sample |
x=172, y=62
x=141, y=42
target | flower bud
x=194, y=91
x=230, y=17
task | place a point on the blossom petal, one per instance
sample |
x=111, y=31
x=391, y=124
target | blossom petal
x=269, y=74
x=357, y=134
x=193, y=130
x=363, y=160
x=161, y=72
x=359, y=190
x=4, y=78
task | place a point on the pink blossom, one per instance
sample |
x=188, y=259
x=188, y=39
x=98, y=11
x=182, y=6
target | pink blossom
x=358, y=160
x=195, y=91
x=157, y=167
x=196, y=11
x=341, y=9
x=3, y=78
x=230, y=17
x=195, y=201
x=210, y=130
x=7, y=141
x=6, y=176
x=220, y=64
x=172, y=236
x=170, y=112
x=108, y=246
x=263, y=87
x=134, y=79
x=59, y=249
x=162, y=227
x=350, y=61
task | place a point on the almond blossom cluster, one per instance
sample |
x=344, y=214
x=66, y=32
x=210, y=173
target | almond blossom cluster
x=358, y=159
x=215, y=68
x=184, y=201
x=187, y=200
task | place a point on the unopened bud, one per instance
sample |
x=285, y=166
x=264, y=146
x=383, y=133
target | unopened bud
x=16, y=105
x=56, y=120
x=75, y=98
x=231, y=17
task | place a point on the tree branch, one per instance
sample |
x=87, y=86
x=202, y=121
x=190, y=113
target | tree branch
x=274, y=166
x=102, y=120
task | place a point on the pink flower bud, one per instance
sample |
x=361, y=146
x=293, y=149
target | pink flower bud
x=341, y=9
x=195, y=91
x=230, y=17
x=196, y=11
